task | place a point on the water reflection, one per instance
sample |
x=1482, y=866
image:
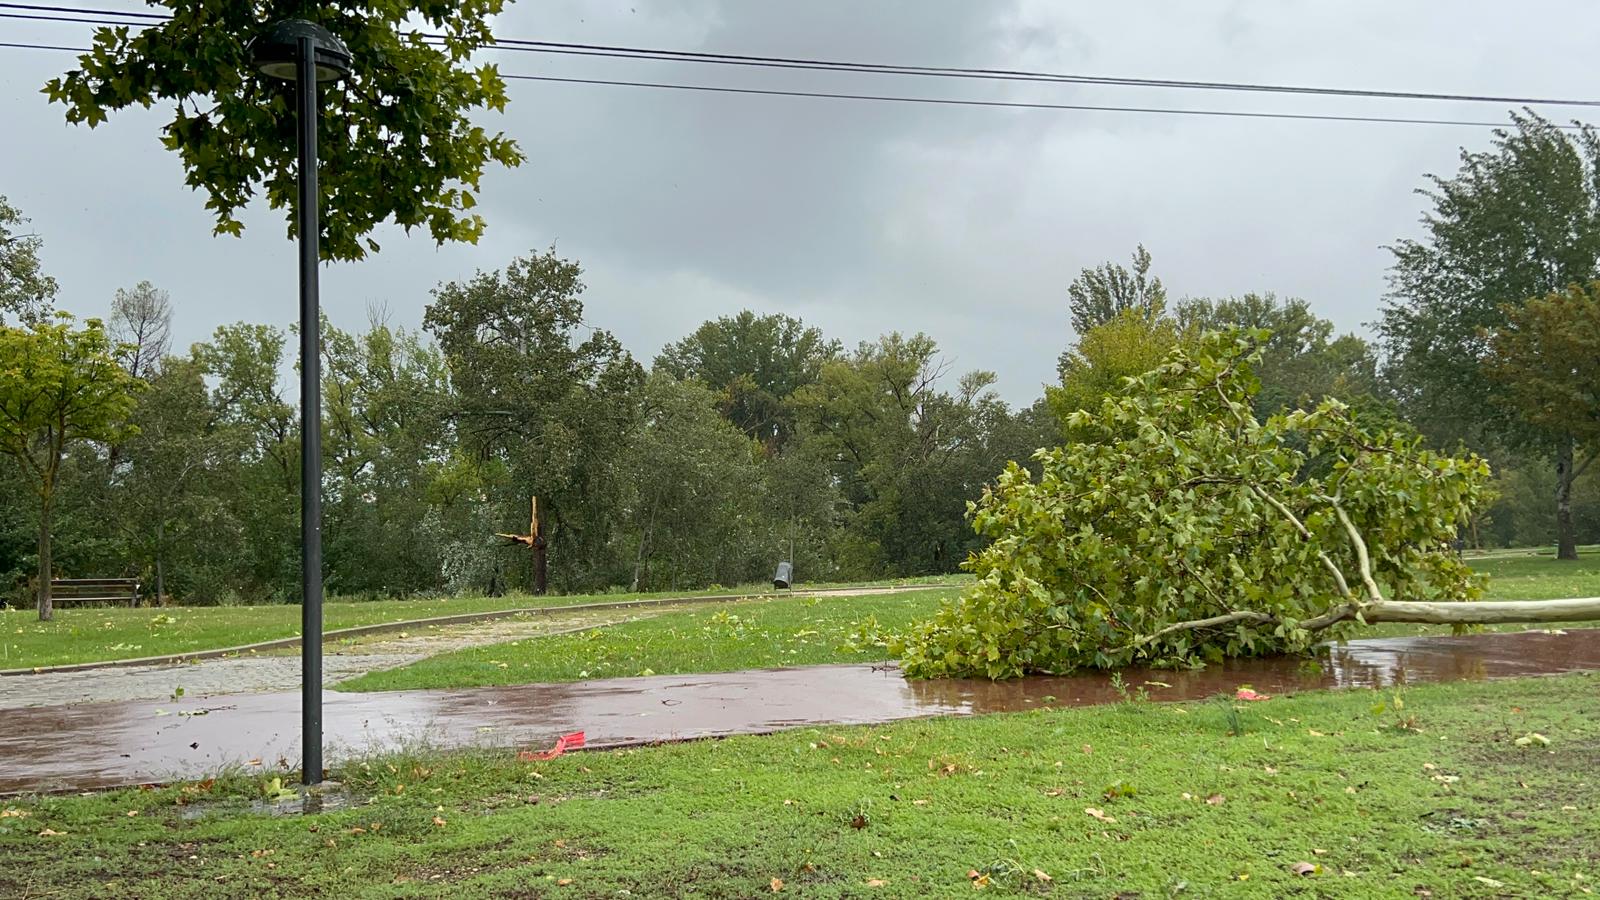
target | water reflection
x=96, y=745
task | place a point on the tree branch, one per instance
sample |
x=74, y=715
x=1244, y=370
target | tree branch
x=1362, y=560
x=1338, y=576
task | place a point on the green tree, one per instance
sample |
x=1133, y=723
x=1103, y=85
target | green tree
x=59, y=387
x=1546, y=361
x=1182, y=529
x=26, y=292
x=906, y=455
x=552, y=409
x=1302, y=360
x=168, y=500
x=386, y=400
x=1105, y=356
x=244, y=364
x=400, y=145
x=755, y=363
x=1518, y=221
x=1099, y=295
x=696, y=510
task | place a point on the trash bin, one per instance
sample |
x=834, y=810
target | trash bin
x=784, y=576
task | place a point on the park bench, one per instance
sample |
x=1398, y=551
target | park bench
x=66, y=591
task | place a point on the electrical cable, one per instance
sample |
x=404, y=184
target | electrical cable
x=780, y=62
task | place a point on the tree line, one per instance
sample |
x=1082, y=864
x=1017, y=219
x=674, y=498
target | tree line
x=756, y=437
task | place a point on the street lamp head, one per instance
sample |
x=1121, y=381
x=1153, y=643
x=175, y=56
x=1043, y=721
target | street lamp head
x=275, y=51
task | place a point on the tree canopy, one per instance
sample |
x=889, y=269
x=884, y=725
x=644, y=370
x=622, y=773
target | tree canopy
x=400, y=144
x=755, y=363
x=59, y=386
x=1518, y=221
x=1100, y=294
x=26, y=291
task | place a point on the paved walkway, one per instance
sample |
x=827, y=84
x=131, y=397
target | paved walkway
x=105, y=744
x=281, y=671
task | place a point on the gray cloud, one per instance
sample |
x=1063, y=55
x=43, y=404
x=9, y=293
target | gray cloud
x=860, y=217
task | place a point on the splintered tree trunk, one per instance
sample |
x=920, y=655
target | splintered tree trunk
x=1566, y=538
x=46, y=607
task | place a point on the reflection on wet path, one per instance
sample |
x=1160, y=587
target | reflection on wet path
x=102, y=744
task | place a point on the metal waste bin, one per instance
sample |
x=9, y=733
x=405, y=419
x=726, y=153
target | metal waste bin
x=784, y=576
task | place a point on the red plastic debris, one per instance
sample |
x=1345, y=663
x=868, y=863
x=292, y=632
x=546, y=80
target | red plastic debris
x=564, y=743
x=1248, y=694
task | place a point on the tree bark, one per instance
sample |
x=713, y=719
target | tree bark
x=1483, y=612
x=1566, y=536
x=1479, y=612
x=46, y=605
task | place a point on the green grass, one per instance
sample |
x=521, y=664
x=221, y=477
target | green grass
x=79, y=634
x=1440, y=803
x=773, y=632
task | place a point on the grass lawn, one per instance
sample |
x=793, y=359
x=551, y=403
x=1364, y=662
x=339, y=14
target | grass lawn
x=84, y=635
x=794, y=631
x=1152, y=800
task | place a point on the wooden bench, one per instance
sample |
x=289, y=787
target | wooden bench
x=67, y=591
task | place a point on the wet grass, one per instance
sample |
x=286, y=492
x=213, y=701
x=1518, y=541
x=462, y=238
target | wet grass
x=78, y=634
x=1434, y=798
x=794, y=631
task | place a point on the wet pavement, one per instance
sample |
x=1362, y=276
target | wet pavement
x=106, y=744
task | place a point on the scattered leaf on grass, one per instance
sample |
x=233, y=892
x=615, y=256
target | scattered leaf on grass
x=1099, y=814
x=777, y=885
x=1533, y=738
x=439, y=821
x=13, y=813
x=1488, y=881
x=50, y=832
x=1040, y=874
x=563, y=882
x=1215, y=800
x=876, y=882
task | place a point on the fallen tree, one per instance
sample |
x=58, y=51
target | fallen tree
x=1182, y=530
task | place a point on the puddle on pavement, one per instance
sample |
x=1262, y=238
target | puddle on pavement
x=97, y=745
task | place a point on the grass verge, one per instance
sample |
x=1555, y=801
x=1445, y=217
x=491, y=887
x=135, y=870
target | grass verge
x=795, y=631
x=1434, y=798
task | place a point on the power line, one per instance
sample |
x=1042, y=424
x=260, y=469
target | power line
x=952, y=101
x=1008, y=104
x=780, y=62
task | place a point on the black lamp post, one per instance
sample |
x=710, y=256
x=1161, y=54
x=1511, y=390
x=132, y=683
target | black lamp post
x=306, y=53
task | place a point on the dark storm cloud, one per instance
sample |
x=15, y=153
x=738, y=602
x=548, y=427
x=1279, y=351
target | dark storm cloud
x=861, y=217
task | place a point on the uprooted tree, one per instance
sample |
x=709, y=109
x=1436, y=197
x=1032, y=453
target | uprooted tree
x=1180, y=529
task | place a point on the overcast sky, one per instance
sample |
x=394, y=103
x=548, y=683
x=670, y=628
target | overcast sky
x=965, y=223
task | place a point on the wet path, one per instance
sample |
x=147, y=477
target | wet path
x=106, y=744
x=280, y=670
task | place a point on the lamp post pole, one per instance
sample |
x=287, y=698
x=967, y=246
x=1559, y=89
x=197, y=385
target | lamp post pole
x=306, y=53
x=310, y=230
